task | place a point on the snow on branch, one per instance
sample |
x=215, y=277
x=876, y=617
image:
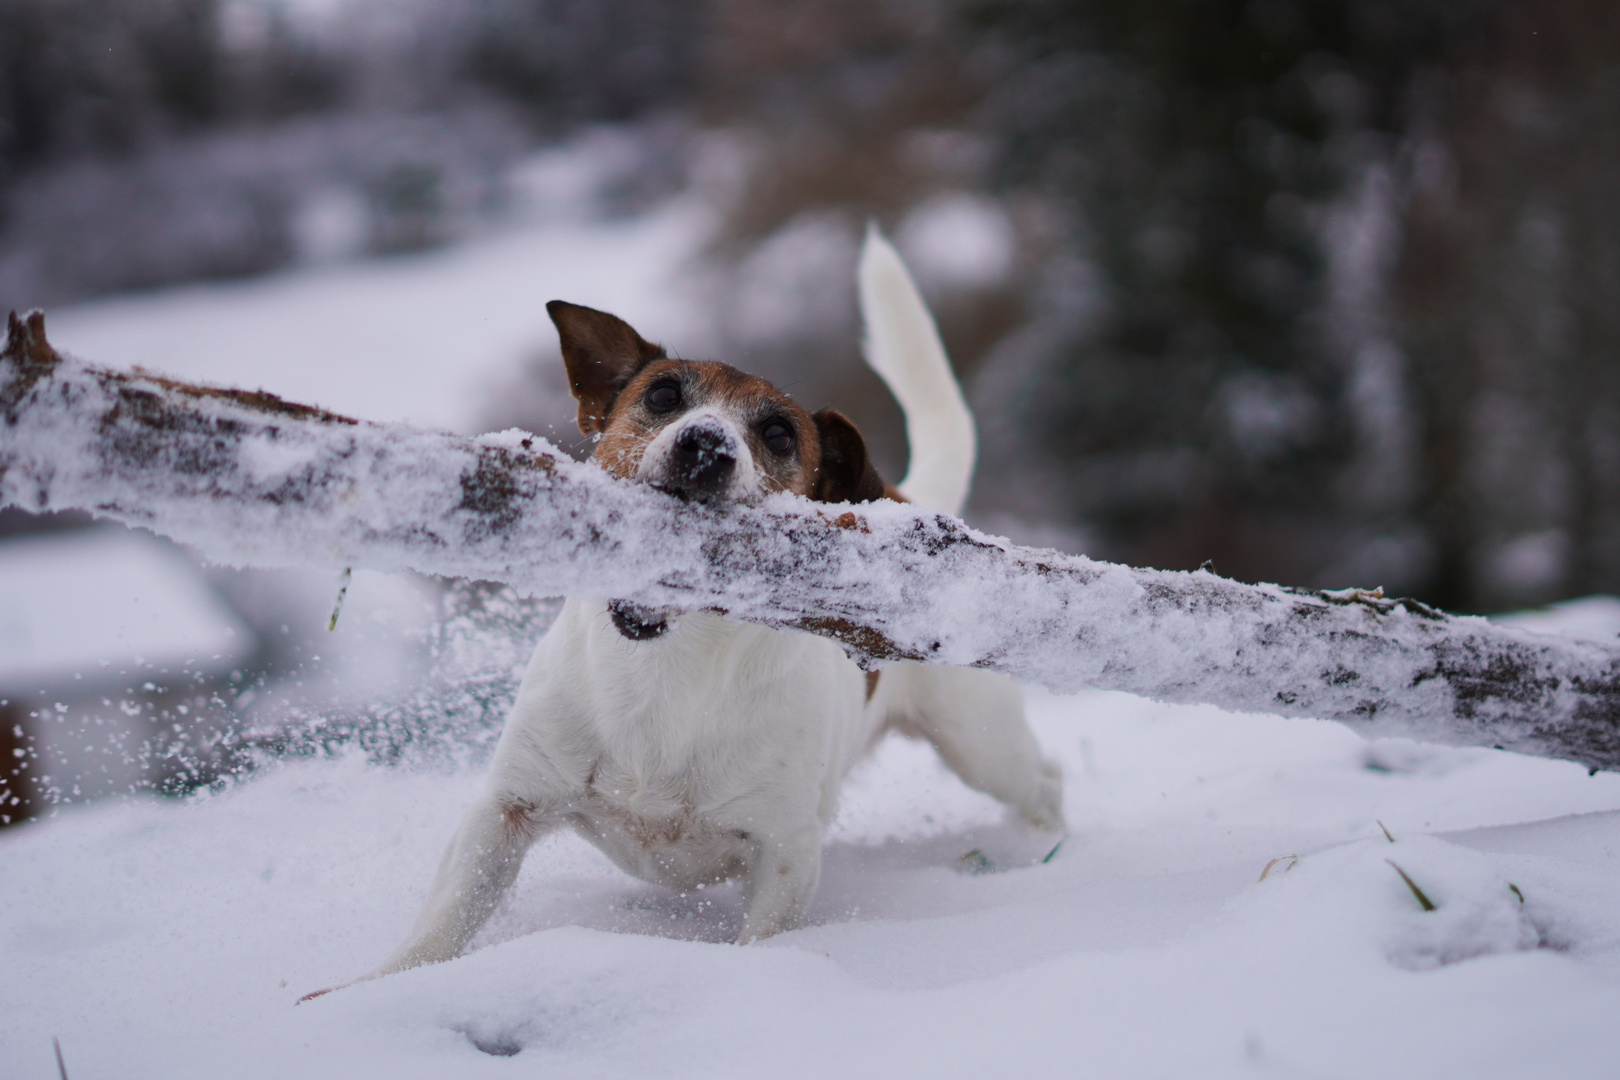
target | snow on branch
x=249, y=479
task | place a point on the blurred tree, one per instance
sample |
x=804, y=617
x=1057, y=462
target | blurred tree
x=1510, y=295
x=1353, y=298
x=1199, y=377
x=84, y=77
x=1325, y=291
x=568, y=61
x=144, y=142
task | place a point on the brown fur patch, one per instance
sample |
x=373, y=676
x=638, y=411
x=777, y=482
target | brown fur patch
x=845, y=473
x=752, y=401
x=516, y=813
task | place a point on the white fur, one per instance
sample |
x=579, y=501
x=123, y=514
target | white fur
x=717, y=750
x=903, y=346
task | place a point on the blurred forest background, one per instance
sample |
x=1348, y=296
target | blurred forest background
x=1324, y=291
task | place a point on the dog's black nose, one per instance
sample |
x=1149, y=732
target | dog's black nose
x=701, y=462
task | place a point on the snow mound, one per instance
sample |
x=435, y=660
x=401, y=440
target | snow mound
x=1418, y=901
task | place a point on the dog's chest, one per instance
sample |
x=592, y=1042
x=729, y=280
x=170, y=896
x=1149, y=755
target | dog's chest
x=647, y=807
x=661, y=832
x=708, y=703
x=675, y=750
x=674, y=810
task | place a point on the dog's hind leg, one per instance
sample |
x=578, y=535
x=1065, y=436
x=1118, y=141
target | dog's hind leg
x=975, y=719
x=477, y=868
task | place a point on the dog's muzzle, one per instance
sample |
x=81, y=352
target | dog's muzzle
x=701, y=461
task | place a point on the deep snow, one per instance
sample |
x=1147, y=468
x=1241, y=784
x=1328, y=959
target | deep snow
x=172, y=939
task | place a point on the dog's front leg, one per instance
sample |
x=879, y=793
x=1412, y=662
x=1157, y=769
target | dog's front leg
x=477, y=868
x=781, y=880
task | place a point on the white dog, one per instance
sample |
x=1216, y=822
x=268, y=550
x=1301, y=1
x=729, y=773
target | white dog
x=692, y=749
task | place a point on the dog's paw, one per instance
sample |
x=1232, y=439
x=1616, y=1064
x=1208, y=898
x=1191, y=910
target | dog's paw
x=1044, y=806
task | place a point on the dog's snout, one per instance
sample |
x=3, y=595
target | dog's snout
x=701, y=461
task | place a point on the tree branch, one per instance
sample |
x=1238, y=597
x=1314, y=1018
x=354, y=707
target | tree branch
x=249, y=479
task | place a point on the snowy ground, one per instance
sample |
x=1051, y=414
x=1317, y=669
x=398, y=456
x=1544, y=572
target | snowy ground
x=170, y=939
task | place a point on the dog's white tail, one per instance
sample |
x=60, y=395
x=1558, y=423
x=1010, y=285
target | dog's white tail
x=903, y=346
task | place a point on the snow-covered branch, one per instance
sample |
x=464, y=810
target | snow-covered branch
x=249, y=479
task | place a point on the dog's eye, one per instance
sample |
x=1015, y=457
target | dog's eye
x=663, y=397
x=777, y=435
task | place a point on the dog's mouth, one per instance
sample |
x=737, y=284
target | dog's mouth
x=688, y=494
x=639, y=623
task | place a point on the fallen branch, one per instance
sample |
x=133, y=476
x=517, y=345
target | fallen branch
x=249, y=479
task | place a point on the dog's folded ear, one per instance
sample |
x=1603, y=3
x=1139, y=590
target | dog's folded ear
x=845, y=473
x=602, y=353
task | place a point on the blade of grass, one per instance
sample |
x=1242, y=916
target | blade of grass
x=1292, y=859
x=343, y=590
x=1424, y=901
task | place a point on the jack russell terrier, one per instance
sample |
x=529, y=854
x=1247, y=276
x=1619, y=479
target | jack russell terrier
x=692, y=749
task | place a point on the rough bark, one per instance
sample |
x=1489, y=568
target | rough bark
x=248, y=478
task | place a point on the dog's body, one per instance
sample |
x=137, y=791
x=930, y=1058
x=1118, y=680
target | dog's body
x=690, y=748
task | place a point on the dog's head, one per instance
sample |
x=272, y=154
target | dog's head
x=700, y=429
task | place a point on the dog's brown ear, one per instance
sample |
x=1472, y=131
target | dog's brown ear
x=602, y=353
x=846, y=473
